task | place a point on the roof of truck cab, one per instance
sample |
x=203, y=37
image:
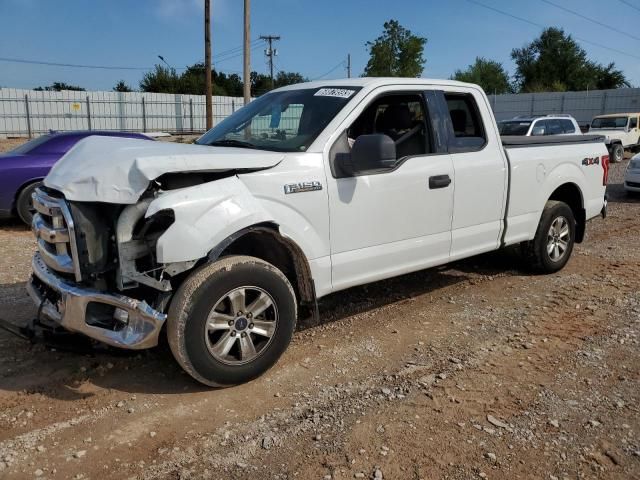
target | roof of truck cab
x=621, y=114
x=375, y=82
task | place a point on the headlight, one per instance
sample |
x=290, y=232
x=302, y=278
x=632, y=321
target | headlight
x=634, y=164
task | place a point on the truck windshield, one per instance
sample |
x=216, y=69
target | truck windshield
x=286, y=121
x=514, y=128
x=609, y=122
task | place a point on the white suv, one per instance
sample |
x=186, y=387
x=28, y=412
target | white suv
x=540, y=125
x=621, y=131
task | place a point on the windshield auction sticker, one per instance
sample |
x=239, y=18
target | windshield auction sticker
x=334, y=92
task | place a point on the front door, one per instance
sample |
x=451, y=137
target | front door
x=396, y=220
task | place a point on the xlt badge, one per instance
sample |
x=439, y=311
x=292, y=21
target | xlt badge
x=302, y=187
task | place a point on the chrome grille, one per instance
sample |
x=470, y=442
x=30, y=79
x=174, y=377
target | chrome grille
x=53, y=227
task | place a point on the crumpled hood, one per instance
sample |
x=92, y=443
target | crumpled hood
x=118, y=170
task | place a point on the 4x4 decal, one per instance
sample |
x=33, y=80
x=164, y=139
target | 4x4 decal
x=591, y=161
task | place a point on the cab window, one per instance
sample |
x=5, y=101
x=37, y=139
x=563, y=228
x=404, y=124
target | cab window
x=401, y=117
x=567, y=126
x=466, y=123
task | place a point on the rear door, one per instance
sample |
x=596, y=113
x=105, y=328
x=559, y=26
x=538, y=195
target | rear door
x=480, y=172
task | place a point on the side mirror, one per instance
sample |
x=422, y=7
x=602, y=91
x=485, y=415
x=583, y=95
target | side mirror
x=373, y=152
x=538, y=131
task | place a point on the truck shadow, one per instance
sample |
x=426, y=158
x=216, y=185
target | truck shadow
x=70, y=375
x=13, y=225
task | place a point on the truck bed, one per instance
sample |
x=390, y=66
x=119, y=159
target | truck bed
x=516, y=141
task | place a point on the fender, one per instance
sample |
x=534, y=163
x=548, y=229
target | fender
x=205, y=215
x=561, y=175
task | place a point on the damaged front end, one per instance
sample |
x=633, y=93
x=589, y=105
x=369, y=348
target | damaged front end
x=95, y=271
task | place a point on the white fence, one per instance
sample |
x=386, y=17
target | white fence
x=583, y=106
x=30, y=112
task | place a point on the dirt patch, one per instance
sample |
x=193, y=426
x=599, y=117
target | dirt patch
x=475, y=370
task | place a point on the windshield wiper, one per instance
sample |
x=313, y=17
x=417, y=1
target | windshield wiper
x=228, y=142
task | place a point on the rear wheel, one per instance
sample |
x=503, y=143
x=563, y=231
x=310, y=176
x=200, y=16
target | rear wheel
x=231, y=320
x=24, y=203
x=552, y=245
x=617, y=153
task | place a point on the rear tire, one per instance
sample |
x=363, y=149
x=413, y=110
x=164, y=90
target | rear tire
x=550, y=249
x=231, y=320
x=24, y=203
x=617, y=153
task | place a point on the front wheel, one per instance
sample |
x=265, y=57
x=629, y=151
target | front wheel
x=231, y=320
x=550, y=249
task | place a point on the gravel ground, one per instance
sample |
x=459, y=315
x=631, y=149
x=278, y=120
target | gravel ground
x=474, y=370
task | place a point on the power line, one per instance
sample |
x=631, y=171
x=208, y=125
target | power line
x=341, y=64
x=72, y=65
x=584, y=17
x=506, y=14
x=629, y=4
x=227, y=55
x=101, y=67
x=254, y=42
x=257, y=46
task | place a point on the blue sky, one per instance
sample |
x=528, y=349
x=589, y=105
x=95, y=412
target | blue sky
x=316, y=34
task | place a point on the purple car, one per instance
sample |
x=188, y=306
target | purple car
x=22, y=169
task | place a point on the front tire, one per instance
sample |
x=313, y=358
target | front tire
x=231, y=320
x=550, y=249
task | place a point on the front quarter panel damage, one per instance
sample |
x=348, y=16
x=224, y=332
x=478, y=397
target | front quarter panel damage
x=204, y=216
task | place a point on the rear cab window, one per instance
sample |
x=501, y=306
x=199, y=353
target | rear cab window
x=468, y=133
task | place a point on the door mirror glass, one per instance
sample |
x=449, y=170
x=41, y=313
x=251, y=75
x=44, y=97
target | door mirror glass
x=538, y=131
x=373, y=152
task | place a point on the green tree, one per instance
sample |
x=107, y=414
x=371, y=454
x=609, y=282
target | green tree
x=161, y=80
x=555, y=62
x=395, y=53
x=489, y=74
x=261, y=83
x=59, y=86
x=283, y=79
x=121, y=86
x=192, y=82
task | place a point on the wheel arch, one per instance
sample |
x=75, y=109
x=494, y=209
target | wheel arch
x=571, y=194
x=266, y=242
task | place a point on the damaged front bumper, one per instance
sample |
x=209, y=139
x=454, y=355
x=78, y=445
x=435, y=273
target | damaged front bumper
x=135, y=325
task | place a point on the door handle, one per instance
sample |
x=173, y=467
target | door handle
x=439, y=181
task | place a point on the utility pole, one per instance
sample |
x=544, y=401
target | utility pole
x=270, y=52
x=207, y=63
x=246, y=70
x=348, y=65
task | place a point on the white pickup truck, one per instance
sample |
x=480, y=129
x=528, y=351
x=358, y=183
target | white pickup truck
x=308, y=190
